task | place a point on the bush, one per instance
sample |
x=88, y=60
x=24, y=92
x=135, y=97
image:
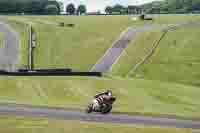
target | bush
x=51, y=9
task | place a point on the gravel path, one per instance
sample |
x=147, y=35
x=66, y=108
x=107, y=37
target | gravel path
x=113, y=53
x=61, y=114
x=9, y=56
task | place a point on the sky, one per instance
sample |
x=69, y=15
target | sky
x=99, y=5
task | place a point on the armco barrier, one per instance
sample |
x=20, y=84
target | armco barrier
x=46, y=70
x=53, y=73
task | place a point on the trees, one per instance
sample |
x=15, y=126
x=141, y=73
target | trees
x=108, y=10
x=51, y=9
x=70, y=9
x=28, y=6
x=61, y=6
x=81, y=9
x=172, y=6
x=118, y=9
x=134, y=10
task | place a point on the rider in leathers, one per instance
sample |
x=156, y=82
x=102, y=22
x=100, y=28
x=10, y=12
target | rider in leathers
x=102, y=98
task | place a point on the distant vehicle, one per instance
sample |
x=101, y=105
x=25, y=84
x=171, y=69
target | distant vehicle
x=102, y=103
x=30, y=7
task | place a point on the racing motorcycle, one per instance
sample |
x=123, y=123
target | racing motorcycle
x=103, y=108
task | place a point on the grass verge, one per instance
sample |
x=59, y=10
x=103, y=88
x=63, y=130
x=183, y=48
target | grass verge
x=23, y=125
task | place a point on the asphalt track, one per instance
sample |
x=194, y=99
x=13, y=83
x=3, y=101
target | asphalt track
x=62, y=114
x=9, y=52
x=113, y=53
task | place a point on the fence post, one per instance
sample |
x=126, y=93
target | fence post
x=31, y=46
x=29, y=49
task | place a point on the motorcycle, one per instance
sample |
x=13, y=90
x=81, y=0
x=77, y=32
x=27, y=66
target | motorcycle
x=101, y=108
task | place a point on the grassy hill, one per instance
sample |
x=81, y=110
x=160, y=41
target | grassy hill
x=79, y=47
x=176, y=59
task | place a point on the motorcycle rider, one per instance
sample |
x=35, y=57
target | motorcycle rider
x=102, y=98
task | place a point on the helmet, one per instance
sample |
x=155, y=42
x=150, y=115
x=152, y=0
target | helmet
x=109, y=92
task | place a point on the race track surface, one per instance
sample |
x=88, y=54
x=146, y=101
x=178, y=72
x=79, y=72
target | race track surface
x=62, y=114
x=9, y=52
x=113, y=53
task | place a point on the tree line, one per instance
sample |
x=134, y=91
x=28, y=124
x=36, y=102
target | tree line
x=117, y=9
x=172, y=6
x=158, y=7
x=30, y=6
x=39, y=7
